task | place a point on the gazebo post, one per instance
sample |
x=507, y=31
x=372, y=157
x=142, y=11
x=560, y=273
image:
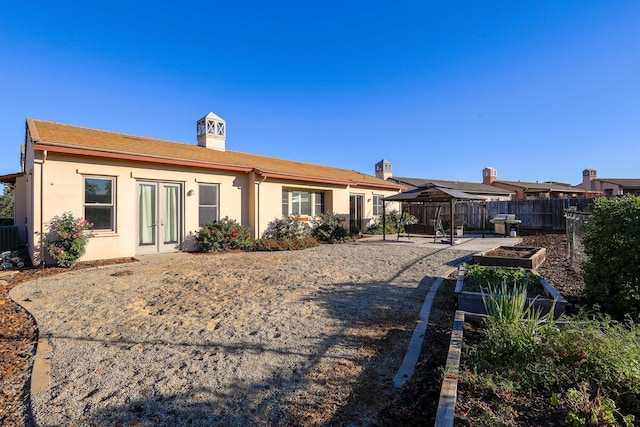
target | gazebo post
x=452, y=226
x=384, y=220
x=484, y=216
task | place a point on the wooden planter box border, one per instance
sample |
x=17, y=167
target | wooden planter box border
x=449, y=390
x=471, y=302
x=531, y=262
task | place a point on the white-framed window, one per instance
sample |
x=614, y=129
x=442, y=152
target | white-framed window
x=100, y=202
x=285, y=203
x=319, y=203
x=302, y=203
x=208, y=198
x=377, y=204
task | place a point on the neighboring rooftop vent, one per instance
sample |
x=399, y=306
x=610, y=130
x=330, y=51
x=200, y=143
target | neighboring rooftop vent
x=384, y=169
x=588, y=175
x=212, y=132
x=489, y=175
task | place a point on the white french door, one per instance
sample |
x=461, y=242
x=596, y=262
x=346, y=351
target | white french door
x=356, y=211
x=159, y=220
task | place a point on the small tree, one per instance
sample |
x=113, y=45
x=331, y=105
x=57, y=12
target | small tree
x=7, y=202
x=611, y=241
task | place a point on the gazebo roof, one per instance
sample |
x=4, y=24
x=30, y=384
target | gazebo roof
x=432, y=194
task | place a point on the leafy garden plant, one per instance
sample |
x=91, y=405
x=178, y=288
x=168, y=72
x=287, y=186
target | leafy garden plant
x=587, y=365
x=69, y=239
x=585, y=410
x=483, y=276
x=223, y=235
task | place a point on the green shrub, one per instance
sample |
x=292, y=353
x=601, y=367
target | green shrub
x=223, y=235
x=287, y=228
x=392, y=223
x=611, y=241
x=71, y=238
x=327, y=228
x=285, y=244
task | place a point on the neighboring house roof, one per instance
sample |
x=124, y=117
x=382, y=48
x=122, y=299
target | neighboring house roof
x=467, y=187
x=70, y=139
x=10, y=178
x=623, y=182
x=542, y=186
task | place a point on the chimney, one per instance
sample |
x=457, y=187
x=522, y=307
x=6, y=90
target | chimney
x=588, y=175
x=384, y=169
x=489, y=175
x=212, y=132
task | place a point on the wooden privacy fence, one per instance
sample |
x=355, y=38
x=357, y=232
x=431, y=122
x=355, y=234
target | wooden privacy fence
x=535, y=214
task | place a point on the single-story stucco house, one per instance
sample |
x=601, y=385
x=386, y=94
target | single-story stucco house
x=148, y=195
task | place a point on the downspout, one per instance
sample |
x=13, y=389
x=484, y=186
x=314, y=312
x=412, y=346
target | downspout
x=44, y=158
x=264, y=178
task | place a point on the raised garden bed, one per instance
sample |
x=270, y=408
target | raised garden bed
x=512, y=256
x=469, y=298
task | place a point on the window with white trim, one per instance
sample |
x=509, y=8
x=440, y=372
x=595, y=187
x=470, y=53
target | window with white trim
x=208, y=203
x=302, y=203
x=377, y=204
x=99, y=202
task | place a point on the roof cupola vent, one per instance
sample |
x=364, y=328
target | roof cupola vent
x=212, y=132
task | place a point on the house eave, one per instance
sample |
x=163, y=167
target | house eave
x=134, y=157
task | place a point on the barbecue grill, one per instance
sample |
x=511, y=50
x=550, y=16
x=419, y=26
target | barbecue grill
x=505, y=223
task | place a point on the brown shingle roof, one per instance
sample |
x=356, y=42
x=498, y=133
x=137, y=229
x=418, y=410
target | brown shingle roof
x=99, y=143
x=543, y=186
x=464, y=186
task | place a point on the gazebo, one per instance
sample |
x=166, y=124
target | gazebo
x=431, y=194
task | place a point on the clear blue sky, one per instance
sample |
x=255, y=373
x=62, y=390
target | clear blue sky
x=540, y=90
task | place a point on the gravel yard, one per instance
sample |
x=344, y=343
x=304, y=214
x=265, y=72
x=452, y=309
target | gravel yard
x=369, y=312
x=309, y=337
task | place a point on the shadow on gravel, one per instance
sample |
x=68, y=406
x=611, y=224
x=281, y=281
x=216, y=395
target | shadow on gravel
x=348, y=380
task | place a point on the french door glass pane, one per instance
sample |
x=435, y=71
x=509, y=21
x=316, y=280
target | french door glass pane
x=171, y=214
x=147, y=212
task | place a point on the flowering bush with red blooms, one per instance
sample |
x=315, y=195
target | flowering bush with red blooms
x=71, y=237
x=223, y=235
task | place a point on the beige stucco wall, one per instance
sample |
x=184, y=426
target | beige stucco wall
x=336, y=199
x=251, y=200
x=63, y=179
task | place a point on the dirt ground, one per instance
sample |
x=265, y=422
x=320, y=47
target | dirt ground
x=414, y=404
